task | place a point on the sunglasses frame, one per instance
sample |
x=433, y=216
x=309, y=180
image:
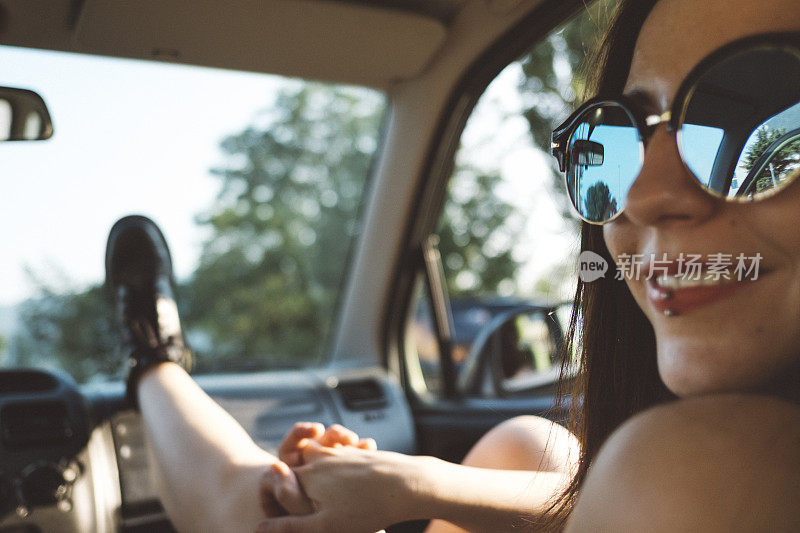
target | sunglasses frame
x=646, y=123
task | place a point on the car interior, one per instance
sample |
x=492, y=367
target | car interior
x=443, y=263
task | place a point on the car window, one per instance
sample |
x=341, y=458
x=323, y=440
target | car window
x=507, y=237
x=256, y=181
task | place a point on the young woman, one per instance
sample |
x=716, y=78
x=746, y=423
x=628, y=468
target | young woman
x=688, y=419
x=710, y=461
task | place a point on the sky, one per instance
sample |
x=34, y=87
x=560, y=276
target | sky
x=130, y=137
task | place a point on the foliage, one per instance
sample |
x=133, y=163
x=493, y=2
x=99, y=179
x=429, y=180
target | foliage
x=475, y=238
x=599, y=203
x=270, y=273
x=781, y=163
x=71, y=330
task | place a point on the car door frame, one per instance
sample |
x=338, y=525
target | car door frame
x=448, y=427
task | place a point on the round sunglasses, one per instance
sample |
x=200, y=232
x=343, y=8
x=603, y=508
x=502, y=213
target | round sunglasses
x=737, y=122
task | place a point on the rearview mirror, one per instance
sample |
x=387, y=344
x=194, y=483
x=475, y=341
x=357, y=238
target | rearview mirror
x=588, y=153
x=23, y=116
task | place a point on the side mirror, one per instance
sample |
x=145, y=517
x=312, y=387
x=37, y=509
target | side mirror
x=588, y=154
x=516, y=351
x=23, y=116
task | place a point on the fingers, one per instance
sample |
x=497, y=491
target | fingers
x=268, y=503
x=266, y=493
x=340, y=435
x=290, y=449
x=280, y=492
x=367, y=444
x=314, y=450
x=288, y=492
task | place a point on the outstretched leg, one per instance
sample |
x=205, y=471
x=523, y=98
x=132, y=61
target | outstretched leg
x=207, y=467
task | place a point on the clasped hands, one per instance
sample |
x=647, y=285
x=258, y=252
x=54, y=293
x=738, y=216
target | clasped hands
x=331, y=480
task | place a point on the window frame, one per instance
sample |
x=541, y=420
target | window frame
x=438, y=169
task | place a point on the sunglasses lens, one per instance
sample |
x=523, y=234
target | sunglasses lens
x=740, y=129
x=605, y=156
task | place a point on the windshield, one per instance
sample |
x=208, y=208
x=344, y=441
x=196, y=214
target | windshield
x=255, y=180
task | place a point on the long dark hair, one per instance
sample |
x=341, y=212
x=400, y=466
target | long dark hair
x=617, y=374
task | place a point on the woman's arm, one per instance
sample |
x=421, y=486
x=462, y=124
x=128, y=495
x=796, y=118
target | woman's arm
x=481, y=499
x=364, y=491
x=718, y=463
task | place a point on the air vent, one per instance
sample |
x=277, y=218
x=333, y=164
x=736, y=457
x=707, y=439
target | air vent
x=20, y=381
x=35, y=424
x=362, y=394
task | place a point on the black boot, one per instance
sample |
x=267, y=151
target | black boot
x=140, y=282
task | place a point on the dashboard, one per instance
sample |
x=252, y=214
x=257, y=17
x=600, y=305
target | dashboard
x=73, y=459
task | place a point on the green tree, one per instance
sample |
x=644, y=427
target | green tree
x=281, y=227
x=781, y=163
x=599, y=203
x=73, y=330
x=476, y=236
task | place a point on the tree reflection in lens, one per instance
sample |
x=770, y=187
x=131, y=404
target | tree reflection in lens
x=770, y=159
x=599, y=204
x=755, y=150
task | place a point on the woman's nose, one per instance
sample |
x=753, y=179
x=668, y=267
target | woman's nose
x=665, y=192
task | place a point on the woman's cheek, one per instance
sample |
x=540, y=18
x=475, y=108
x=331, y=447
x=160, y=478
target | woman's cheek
x=619, y=238
x=614, y=233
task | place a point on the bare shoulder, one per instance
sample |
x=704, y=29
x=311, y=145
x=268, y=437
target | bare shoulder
x=717, y=463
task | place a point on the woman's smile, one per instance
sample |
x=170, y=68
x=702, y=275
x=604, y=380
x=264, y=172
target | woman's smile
x=675, y=288
x=674, y=295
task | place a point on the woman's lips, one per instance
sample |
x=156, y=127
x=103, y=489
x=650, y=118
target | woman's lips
x=673, y=301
